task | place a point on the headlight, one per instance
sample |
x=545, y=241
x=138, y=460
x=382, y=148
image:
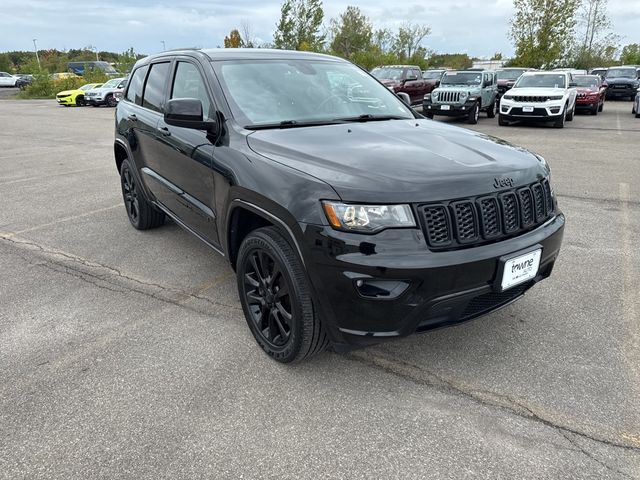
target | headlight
x=508, y=97
x=463, y=96
x=368, y=218
x=434, y=95
x=427, y=96
x=556, y=97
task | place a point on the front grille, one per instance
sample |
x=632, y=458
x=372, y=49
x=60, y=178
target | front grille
x=63, y=96
x=490, y=301
x=448, y=97
x=531, y=98
x=487, y=218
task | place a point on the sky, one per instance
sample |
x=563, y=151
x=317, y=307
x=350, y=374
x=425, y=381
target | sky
x=476, y=27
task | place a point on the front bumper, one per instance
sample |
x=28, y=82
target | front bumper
x=428, y=289
x=587, y=103
x=450, y=110
x=68, y=100
x=613, y=92
x=94, y=100
x=544, y=112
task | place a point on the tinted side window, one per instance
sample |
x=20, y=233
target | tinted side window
x=188, y=83
x=134, y=92
x=154, y=88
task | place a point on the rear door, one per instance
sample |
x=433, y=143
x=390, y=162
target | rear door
x=184, y=155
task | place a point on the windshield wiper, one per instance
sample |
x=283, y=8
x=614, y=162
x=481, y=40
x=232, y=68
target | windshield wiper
x=290, y=124
x=368, y=117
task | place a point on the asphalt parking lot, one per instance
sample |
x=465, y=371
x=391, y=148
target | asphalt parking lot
x=125, y=354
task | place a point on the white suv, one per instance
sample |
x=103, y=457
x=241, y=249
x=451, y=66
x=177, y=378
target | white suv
x=7, y=80
x=540, y=96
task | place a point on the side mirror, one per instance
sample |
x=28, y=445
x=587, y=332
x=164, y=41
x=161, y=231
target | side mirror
x=187, y=113
x=411, y=78
x=405, y=98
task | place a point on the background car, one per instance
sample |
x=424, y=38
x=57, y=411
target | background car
x=623, y=82
x=433, y=77
x=24, y=80
x=75, y=97
x=80, y=68
x=104, y=95
x=591, y=93
x=7, y=80
x=599, y=71
x=403, y=78
x=636, y=106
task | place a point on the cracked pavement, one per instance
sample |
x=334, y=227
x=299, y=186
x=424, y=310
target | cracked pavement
x=125, y=354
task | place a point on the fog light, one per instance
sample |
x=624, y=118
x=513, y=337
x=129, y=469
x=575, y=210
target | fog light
x=380, y=289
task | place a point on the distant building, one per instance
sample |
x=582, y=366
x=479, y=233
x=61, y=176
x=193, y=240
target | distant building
x=489, y=64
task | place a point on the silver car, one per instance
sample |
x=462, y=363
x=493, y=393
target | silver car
x=105, y=95
x=636, y=106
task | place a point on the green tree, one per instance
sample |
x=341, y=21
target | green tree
x=457, y=61
x=234, y=40
x=543, y=31
x=299, y=26
x=596, y=43
x=630, y=54
x=125, y=61
x=6, y=65
x=351, y=32
x=408, y=39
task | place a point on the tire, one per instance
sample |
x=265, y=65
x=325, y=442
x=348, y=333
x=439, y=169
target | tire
x=501, y=121
x=491, y=110
x=595, y=109
x=561, y=121
x=474, y=114
x=95, y=105
x=429, y=115
x=142, y=214
x=601, y=106
x=110, y=101
x=571, y=114
x=285, y=326
x=80, y=101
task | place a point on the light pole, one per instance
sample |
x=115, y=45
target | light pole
x=96, y=50
x=164, y=47
x=35, y=47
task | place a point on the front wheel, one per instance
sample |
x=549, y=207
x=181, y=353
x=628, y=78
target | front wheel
x=491, y=110
x=474, y=114
x=429, y=115
x=111, y=101
x=276, y=298
x=501, y=121
x=80, y=101
x=560, y=122
x=571, y=114
x=142, y=214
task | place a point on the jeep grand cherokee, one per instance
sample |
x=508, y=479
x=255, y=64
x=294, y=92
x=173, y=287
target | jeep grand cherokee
x=348, y=218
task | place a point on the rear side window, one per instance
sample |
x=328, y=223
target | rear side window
x=154, y=88
x=134, y=92
x=188, y=83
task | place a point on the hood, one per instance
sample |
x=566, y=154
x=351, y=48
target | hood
x=68, y=92
x=399, y=161
x=534, y=91
x=588, y=89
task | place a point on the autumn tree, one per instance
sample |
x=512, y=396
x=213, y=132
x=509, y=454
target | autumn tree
x=299, y=25
x=350, y=32
x=543, y=31
x=234, y=40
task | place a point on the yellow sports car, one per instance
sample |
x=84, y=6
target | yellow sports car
x=75, y=97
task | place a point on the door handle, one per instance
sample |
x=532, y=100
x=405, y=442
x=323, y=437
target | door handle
x=165, y=131
x=132, y=117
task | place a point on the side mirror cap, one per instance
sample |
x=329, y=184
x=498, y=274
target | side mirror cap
x=187, y=113
x=405, y=98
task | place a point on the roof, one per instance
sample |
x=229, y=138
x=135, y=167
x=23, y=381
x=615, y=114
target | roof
x=245, y=54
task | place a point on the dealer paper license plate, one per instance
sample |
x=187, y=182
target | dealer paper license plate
x=520, y=269
x=527, y=109
x=445, y=107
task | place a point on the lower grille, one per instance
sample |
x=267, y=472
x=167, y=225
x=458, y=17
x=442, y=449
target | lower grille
x=490, y=301
x=478, y=220
x=537, y=112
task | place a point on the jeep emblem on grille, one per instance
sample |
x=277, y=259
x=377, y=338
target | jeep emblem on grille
x=503, y=182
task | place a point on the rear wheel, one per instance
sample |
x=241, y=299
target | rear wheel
x=491, y=110
x=474, y=114
x=142, y=214
x=276, y=298
x=111, y=101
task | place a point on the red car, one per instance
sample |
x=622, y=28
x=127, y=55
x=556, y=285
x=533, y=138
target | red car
x=591, y=93
x=404, y=79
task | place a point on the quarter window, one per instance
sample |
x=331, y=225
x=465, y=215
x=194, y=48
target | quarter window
x=154, y=88
x=134, y=92
x=188, y=83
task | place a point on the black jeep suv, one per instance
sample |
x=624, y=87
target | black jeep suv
x=348, y=218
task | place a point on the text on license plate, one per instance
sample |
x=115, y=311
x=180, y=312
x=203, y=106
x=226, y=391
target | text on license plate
x=445, y=107
x=527, y=109
x=520, y=269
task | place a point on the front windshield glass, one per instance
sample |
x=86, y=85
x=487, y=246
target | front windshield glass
x=385, y=73
x=429, y=75
x=263, y=92
x=112, y=83
x=541, y=80
x=591, y=82
x=510, y=74
x=462, y=78
x=87, y=86
x=621, y=73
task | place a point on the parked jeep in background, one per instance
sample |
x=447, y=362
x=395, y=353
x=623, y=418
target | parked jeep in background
x=540, y=96
x=463, y=93
x=591, y=93
x=433, y=78
x=507, y=78
x=403, y=78
x=623, y=82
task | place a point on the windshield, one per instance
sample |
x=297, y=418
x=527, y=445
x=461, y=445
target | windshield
x=112, y=83
x=541, y=80
x=106, y=67
x=300, y=91
x=384, y=73
x=462, y=78
x=510, y=74
x=591, y=82
x=430, y=75
x=88, y=86
x=621, y=73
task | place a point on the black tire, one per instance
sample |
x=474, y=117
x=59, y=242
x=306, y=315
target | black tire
x=502, y=122
x=594, y=110
x=570, y=114
x=601, y=106
x=561, y=121
x=429, y=115
x=142, y=214
x=285, y=326
x=474, y=114
x=491, y=110
x=95, y=105
x=110, y=101
x=80, y=101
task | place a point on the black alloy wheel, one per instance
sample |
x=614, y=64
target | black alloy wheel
x=130, y=195
x=276, y=297
x=474, y=114
x=111, y=101
x=142, y=214
x=80, y=101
